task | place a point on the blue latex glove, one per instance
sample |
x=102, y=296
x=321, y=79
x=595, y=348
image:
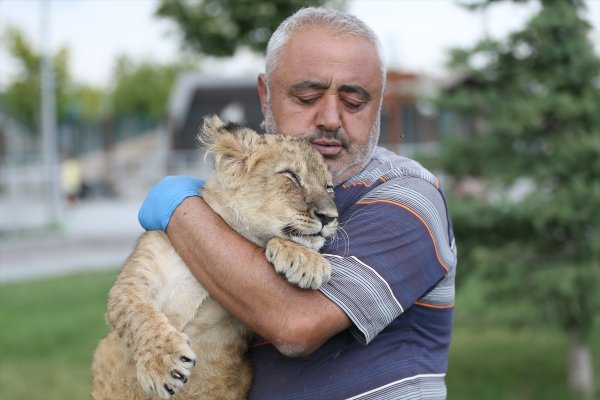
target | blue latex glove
x=163, y=199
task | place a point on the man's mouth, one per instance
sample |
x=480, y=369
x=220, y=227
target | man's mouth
x=327, y=147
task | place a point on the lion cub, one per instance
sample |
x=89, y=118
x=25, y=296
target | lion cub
x=169, y=338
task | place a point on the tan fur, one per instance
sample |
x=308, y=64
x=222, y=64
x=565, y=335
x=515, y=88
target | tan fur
x=165, y=327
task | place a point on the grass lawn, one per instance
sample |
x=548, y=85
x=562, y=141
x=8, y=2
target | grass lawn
x=497, y=363
x=49, y=329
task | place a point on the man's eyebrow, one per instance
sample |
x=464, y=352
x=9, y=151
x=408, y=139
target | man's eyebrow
x=309, y=85
x=356, y=89
x=316, y=85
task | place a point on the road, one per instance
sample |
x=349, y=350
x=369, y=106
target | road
x=94, y=235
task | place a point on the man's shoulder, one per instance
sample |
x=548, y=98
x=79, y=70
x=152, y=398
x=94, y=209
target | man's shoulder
x=386, y=177
x=387, y=166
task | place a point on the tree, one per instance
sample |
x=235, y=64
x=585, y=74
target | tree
x=219, y=27
x=533, y=102
x=142, y=88
x=20, y=99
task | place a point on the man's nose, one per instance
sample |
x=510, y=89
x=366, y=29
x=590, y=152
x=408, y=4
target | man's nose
x=329, y=117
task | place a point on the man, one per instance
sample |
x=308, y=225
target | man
x=380, y=329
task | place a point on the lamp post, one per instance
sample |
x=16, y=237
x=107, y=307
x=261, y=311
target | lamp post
x=52, y=181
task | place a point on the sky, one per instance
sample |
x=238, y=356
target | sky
x=416, y=34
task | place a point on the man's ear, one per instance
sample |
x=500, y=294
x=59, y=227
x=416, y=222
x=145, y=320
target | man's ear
x=262, y=91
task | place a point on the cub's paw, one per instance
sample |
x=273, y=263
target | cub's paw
x=165, y=365
x=301, y=266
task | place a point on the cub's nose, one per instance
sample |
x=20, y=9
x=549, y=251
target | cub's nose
x=325, y=219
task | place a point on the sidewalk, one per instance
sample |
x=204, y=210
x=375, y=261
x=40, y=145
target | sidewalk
x=97, y=234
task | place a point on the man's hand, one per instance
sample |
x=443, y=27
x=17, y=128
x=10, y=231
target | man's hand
x=163, y=199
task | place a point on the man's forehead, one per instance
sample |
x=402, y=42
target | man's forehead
x=318, y=55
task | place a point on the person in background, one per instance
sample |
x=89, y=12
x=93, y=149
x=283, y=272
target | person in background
x=381, y=327
x=71, y=179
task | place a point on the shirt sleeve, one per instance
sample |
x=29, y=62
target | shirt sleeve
x=393, y=246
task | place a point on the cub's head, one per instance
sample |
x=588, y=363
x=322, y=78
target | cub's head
x=269, y=185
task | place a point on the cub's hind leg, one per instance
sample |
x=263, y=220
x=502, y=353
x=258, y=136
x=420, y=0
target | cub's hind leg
x=111, y=369
x=221, y=342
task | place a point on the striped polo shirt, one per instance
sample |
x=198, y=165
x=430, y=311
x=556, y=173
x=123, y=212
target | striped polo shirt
x=393, y=266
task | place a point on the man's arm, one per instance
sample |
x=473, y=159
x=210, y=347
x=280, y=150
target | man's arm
x=236, y=273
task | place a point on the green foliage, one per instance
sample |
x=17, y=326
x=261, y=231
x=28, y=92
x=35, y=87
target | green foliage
x=480, y=4
x=21, y=99
x=219, y=27
x=143, y=88
x=85, y=103
x=140, y=92
x=533, y=102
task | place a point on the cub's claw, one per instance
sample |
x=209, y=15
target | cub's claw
x=187, y=360
x=178, y=375
x=164, y=372
x=169, y=389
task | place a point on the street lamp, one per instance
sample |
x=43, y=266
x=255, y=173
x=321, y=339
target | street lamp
x=52, y=185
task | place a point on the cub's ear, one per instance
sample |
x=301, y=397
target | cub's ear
x=212, y=123
x=230, y=143
x=209, y=130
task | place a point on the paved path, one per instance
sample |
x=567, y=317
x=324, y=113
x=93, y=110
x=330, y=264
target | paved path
x=97, y=234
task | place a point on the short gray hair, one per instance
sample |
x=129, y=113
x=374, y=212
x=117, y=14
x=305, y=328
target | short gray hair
x=339, y=22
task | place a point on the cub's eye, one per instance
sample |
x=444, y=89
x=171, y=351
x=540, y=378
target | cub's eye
x=330, y=189
x=293, y=177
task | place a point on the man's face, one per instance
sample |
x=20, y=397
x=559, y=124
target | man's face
x=328, y=90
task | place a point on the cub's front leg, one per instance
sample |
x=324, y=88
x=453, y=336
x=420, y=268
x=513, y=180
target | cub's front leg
x=300, y=265
x=162, y=355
